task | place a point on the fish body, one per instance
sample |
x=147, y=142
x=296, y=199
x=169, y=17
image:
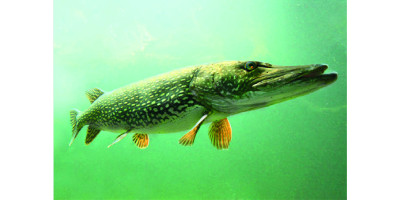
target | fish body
x=185, y=99
x=158, y=105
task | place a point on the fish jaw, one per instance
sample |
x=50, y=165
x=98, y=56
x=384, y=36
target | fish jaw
x=229, y=88
x=294, y=82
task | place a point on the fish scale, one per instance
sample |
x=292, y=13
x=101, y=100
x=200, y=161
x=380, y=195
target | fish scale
x=119, y=110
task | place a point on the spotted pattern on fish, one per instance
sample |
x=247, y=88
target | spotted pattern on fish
x=186, y=98
x=142, y=105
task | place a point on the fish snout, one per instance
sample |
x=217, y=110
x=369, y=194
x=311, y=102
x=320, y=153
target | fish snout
x=315, y=70
x=322, y=67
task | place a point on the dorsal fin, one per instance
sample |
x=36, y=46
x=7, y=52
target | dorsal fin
x=93, y=94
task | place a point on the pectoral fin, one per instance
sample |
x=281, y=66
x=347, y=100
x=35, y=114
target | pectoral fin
x=91, y=134
x=141, y=140
x=220, y=133
x=188, y=138
x=119, y=138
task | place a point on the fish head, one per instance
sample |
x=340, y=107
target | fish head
x=237, y=86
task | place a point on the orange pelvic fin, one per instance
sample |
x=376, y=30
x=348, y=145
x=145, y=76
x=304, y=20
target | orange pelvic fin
x=141, y=140
x=220, y=133
x=188, y=138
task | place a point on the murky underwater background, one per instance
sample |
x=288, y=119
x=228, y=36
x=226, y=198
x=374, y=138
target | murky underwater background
x=292, y=150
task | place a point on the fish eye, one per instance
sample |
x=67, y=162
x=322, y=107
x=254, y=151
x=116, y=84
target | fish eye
x=250, y=66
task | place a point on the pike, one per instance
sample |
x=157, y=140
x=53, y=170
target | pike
x=187, y=98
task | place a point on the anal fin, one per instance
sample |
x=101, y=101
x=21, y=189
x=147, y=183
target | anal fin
x=91, y=134
x=188, y=138
x=141, y=140
x=220, y=133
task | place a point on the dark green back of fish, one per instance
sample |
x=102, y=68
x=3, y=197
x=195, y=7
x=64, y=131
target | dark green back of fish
x=150, y=102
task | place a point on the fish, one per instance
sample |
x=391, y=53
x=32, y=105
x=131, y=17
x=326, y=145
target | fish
x=187, y=98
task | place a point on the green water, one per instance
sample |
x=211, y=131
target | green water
x=292, y=150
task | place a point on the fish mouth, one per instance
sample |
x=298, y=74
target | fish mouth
x=319, y=70
x=280, y=83
x=296, y=74
x=317, y=74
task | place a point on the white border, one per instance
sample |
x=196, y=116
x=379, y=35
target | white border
x=373, y=100
x=27, y=103
x=26, y=43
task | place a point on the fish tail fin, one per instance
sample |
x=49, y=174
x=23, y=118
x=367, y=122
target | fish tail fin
x=76, y=126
